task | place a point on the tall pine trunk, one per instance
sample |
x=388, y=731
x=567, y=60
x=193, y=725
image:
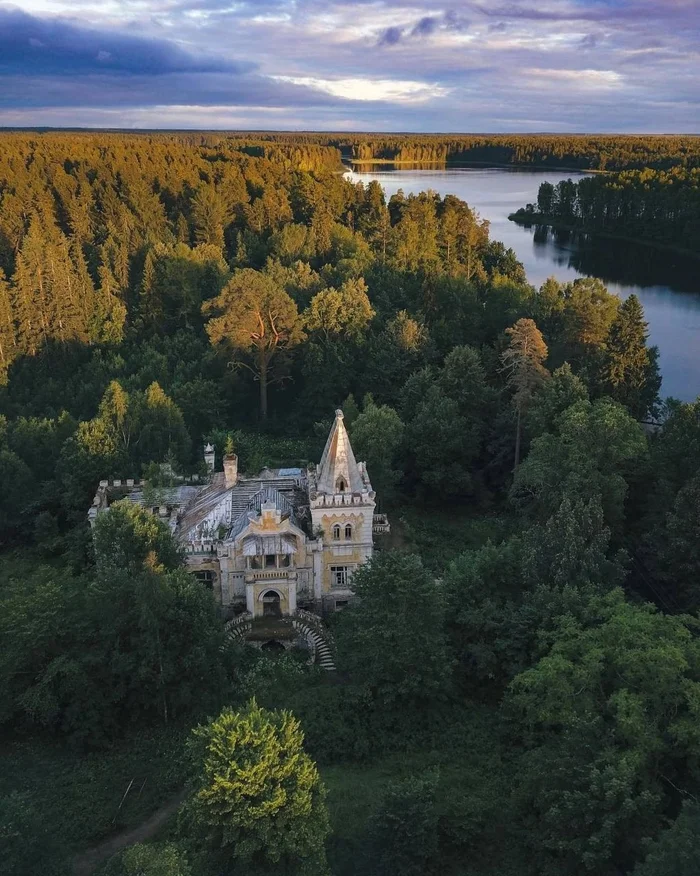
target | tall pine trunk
x=263, y=392
x=517, y=442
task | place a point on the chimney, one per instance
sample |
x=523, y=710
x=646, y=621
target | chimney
x=230, y=470
x=210, y=457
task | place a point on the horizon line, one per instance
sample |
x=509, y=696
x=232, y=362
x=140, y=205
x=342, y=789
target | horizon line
x=337, y=133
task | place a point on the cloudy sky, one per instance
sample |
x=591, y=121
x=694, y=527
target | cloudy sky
x=393, y=65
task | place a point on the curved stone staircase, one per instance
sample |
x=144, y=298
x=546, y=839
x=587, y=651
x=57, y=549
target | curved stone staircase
x=238, y=628
x=308, y=625
x=318, y=637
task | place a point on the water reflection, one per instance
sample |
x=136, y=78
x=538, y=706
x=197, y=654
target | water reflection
x=370, y=167
x=617, y=261
x=666, y=283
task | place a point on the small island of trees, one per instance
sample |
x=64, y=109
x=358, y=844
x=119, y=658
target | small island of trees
x=660, y=206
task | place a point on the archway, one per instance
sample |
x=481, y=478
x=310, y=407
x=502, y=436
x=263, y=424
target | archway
x=271, y=604
x=273, y=647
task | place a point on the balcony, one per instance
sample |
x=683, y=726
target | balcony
x=200, y=547
x=252, y=575
x=380, y=524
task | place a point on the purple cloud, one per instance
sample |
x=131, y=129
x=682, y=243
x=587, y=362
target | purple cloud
x=557, y=65
x=35, y=46
x=391, y=36
x=426, y=26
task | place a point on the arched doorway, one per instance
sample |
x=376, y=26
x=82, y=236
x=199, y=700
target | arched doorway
x=273, y=647
x=271, y=604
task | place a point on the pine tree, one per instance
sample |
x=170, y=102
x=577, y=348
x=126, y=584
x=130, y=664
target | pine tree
x=255, y=318
x=115, y=255
x=631, y=372
x=182, y=230
x=109, y=315
x=151, y=305
x=241, y=260
x=32, y=298
x=68, y=299
x=54, y=292
x=8, y=342
x=211, y=215
x=84, y=288
x=161, y=428
x=523, y=362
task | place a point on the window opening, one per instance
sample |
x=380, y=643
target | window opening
x=339, y=576
x=206, y=577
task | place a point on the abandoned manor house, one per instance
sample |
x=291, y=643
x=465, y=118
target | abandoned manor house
x=282, y=544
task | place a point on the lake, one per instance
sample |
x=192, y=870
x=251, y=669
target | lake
x=667, y=284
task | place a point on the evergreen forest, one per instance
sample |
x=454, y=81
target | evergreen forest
x=518, y=684
x=661, y=206
x=602, y=152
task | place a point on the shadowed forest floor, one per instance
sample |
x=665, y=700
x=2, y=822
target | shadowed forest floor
x=88, y=861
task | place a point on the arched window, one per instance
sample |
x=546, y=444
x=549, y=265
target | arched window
x=348, y=530
x=341, y=486
x=336, y=532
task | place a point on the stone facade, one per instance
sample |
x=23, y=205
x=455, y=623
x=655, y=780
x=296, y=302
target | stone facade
x=273, y=545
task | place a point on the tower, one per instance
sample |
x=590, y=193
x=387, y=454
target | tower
x=342, y=504
x=209, y=457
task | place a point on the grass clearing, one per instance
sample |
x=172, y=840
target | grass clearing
x=78, y=794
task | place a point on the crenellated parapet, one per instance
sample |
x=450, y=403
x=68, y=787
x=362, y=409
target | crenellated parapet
x=341, y=500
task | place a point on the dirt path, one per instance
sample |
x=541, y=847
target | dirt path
x=87, y=862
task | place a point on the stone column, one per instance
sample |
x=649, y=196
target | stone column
x=250, y=599
x=318, y=574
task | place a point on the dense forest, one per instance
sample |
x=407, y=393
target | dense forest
x=580, y=152
x=518, y=685
x=575, y=151
x=657, y=205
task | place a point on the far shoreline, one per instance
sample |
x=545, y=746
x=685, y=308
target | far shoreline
x=447, y=165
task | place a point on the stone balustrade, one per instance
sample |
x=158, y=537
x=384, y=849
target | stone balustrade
x=267, y=574
x=380, y=523
x=200, y=547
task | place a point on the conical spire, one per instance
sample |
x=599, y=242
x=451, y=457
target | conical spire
x=338, y=471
